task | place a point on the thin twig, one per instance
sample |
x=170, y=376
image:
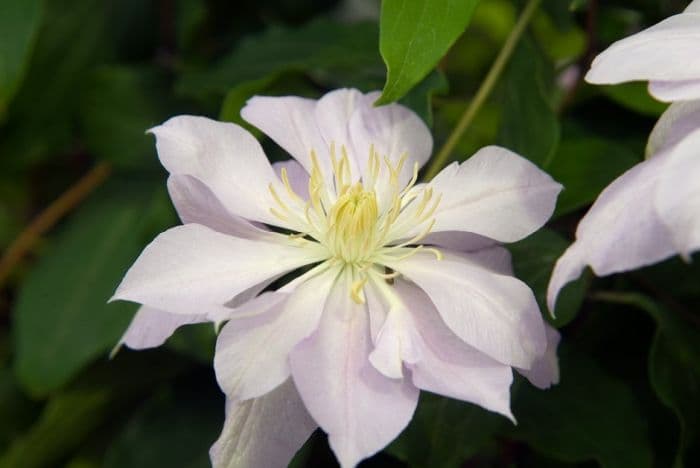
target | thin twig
x=484, y=91
x=45, y=220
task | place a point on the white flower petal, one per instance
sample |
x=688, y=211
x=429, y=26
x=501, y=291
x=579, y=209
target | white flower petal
x=670, y=91
x=495, y=258
x=264, y=432
x=666, y=51
x=496, y=314
x=459, y=240
x=393, y=334
x=393, y=130
x=290, y=122
x=679, y=120
x=196, y=203
x=677, y=197
x=694, y=7
x=567, y=269
x=360, y=409
x=151, y=327
x=496, y=194
x=447, y=365
x=298, y=177
x=225, y=157
x=622, y=230
x=545, y=372
x=191, y=268
x=252, y=349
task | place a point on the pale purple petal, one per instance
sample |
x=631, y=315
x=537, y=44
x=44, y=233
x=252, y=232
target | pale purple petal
x=458, y=240
x=413, y=333
x=263, y=432
x=225, y=157
x=496, y=314
x=567, y=269
x=298, y=177
x=545, y=372
x=392, y=130
x=360, y=409
x=495, y=258
x=290, y=122
x=190, y=268
x=670, y=91
x=150, y=327
x=666, y=51
x=679, y=120
x=196, y=203
x=252, y=349
x=622, y=230
x=496, y=194
x=677, y=197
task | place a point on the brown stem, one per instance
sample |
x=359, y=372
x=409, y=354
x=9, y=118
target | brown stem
x=45, y=220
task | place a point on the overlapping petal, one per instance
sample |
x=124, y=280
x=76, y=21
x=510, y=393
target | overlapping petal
x=252, y=348
x=191, y=268
x=263, y=432
x=679, y=120
x=152, y=327
x=664, y=52
x=622, y=230
x=677, y=197
x=496, y=194
x=360, y=409
x=545, y=371
x=496, y=314
x=225, y=157
x=439, y=361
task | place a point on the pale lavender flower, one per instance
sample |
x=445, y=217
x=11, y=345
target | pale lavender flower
x=402, y=285
x=652, y=211
x=665, y=54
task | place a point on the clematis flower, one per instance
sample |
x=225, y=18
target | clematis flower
x=665, y=54
x=646, y=215
x=652, y=211
x=397, y=285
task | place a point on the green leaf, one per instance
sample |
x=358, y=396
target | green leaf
x=635, y=97
x=585, y=164
x=533, y=261
x=528, y=123
x=420, y=98
x=62, y=319
x=118, y=105
x=674, y=369
x=19, y=23
x=41, y=116
x=414, y=35
x=589, y=415
x=172, y=429
x=71, y=416
x=321, y=47
x=444, y=433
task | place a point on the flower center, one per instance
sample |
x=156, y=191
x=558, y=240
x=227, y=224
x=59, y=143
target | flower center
x=362, y=222
x=352, y=222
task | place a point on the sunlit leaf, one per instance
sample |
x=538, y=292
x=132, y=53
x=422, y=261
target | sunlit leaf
x=414, y=36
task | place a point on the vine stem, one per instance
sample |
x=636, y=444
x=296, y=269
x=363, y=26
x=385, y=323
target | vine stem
x=53, y=213
x=484, y=91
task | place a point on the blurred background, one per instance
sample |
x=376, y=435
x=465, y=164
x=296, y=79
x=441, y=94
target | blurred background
x=82, y=192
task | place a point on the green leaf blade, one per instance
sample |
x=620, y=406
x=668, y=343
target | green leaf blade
x=414, y=35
